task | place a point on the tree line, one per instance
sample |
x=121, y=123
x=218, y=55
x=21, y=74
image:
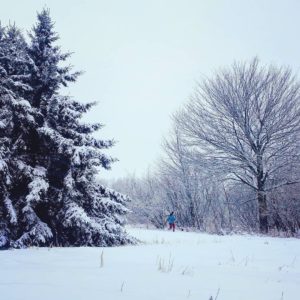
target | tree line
x=232, y=159
x=230, y=162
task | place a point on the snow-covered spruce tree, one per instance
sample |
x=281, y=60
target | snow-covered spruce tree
x=57, y=200
x=17, y=120
x=87, y=212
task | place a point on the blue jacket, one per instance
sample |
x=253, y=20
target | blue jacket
x=171, y=219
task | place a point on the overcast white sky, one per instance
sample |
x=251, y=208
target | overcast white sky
x=142, y=57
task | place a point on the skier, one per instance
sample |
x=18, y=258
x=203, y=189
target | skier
x=171, y=221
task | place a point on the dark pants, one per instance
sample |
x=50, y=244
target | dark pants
x=172, y=226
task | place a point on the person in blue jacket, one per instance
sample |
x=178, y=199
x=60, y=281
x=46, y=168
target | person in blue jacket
x=171, y=221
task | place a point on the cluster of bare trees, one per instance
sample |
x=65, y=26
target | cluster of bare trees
x=147, y=205
x=232, y=160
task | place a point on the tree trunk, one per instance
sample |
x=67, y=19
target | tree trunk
x=262, y=212
x=261, y=197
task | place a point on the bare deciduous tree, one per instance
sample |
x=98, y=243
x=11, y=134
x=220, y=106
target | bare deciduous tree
x=196, y=197
x=146, y=205
x=246, y=121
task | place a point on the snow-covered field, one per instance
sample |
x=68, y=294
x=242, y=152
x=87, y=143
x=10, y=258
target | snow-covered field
x=167, y=265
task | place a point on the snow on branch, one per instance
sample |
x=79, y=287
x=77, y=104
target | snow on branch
x=37, y=186
x=11, y=210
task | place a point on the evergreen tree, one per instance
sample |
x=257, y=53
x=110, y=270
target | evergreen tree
x=48, y=75
x=52, y=196
x=17, y=119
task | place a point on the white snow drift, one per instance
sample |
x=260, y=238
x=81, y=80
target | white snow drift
x=166, y=265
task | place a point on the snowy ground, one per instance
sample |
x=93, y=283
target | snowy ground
x=167, y=266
